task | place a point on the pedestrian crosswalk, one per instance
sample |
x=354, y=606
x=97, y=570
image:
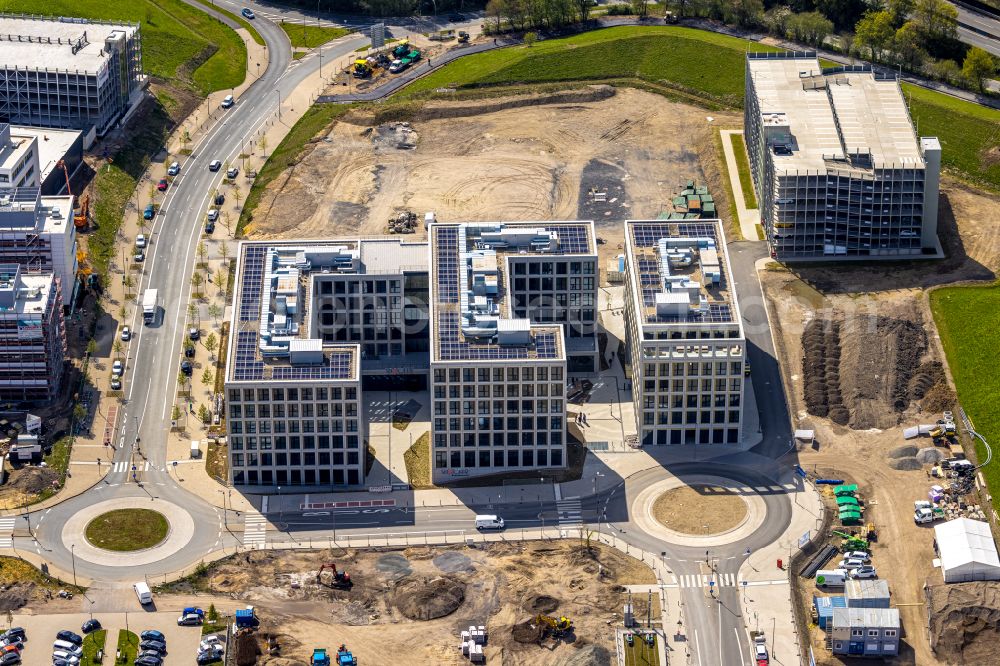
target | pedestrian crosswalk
x=703, y=580
x=7, y=532
x=254, y=530
x=125, y=466
x=568, y=511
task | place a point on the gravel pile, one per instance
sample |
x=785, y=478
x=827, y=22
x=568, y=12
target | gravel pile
x=907, y=450
x=906, y=464
x=930, y=455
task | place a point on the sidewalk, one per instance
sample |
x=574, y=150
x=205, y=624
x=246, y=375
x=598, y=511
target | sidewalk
x=767, y=591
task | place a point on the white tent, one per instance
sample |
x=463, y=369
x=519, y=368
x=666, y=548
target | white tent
x=967, y=551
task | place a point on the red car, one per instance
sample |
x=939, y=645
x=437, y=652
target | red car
x=162, y=185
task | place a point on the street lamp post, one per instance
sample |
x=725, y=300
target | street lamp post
x=225, y=513
x=279, y=103
x=72, y=552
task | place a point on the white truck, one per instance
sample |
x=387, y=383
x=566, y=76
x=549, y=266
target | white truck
x=925, y=512
x=149, y=306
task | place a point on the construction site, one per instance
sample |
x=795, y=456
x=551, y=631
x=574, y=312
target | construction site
x=563, y=155
x=862, y=368
x=535, y=602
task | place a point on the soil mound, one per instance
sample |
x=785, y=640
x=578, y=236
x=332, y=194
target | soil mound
x=541, y=603
x=907, y=464
x=587, y=655
x=33, y=480
x=965, y=622
x=394, y=564
x=16, y=596
x=904, y=451
x=422, y=599
x=930, y=455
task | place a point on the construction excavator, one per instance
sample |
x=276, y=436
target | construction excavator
x=341, y=579
x=81, y=214
x=555, y=626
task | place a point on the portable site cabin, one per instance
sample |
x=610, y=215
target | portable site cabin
x=824, y=609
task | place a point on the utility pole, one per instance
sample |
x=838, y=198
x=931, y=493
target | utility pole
x=72, y=552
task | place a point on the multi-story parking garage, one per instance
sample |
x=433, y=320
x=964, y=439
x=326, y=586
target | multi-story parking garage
x=837, y=166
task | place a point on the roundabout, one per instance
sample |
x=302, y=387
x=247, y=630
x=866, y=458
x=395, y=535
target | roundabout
x=700, y=509
x=84, y=531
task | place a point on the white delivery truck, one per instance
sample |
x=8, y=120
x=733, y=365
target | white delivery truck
x=150, y=304
x=143, y=592
x=489, y=522
x=831, y=577
x=196, y=448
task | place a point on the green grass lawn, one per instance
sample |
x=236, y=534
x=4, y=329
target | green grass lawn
x=641, y=654
x=127, y=529
x=236, y=17
x=743, y=165
x=178, y=41
x=287, y=153
x=706, y=63
x=969, y=133
x=93, y=642
x=311, y=36
x=128, y=645
x=966, y=319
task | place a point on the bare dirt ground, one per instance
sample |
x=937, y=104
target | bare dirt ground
x=861, y=361
x=537, y=159
x=422, y=598
x=699, y=509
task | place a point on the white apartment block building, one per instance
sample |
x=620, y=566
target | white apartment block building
x=838, y=169
x=36, y=157
x=37, y=232
x=293, y=401
x=684, y=333
x=499, y=352
x=32, y=336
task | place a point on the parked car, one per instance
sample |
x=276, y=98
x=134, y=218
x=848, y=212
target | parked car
x=116, y=383
x=212, y=215
x=849, y=563
x=210, y=641
x=10, y=648
x=248, y=13
x=189, y=351
x=858, y=555
x=152, y=635
x=154, y=654
x=125, y=336
x=16, y=632
x=140, y=240
x=233, y=172
x=760, y=653
x=162, y=185
x=173, y=169
x=139, y=256
x=59, y=661
x=220, y=199
x=397, y=66
x=228, y=101
x=117, y=368
x=153, y=644
x=215, y=165
x=188, y=619
x=209, y=227
x=207, y=658
x=148, y=660
x=10, y=659
x=193, y=333
x=91, y=624
x=66, y=646
x=188, y=369
x=866, y=571
x=149, y=212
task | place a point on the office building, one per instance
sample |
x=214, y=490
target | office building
x=68, y=72
x=37, y=232
x=508, y=303
x=838, y=169
x=865, y=632
x=32, y=336
x=312, y=320
x=684, y=333
x=36, y=157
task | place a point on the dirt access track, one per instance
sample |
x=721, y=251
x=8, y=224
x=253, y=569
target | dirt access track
x=532, y=157
x=860, y=361
x=418, y=600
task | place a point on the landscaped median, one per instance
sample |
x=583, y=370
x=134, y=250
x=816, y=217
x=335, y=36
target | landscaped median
x=128, y=647
x=92, y=644
x=304, y=35
x=966, y=319
x=127, y=529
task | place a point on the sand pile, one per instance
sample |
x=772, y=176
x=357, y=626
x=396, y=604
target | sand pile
x=930, y=455
x=907, y=464
x=965, y=622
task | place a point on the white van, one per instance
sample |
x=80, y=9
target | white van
x=831, y=577
x=489, y=523
x=196, y=448
x=143, y=592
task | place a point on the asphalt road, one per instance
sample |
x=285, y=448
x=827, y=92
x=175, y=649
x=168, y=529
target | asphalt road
x=978, y=28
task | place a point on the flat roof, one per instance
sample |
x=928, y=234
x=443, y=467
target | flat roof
x=832, y=114
x=53, y=144
x=882, y=618
x=680, y=272
x=12, y=151
x=467, y=326
x=24, y=209
x=963, y=542
x=56, y=43
x=33, y=291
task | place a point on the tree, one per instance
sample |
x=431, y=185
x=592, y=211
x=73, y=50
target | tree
x=175, y=413
x=744, y=13
x=936, y=19
x=185, y=138
x=152, y=193
x=129, y=282
x=203, y=414
x=907, y=45
x=188, y=345
x=92, y=346
x=116, y=347
x=530, y=38
x=213, y=614
x=196, y=281
x=227, y=220
x=214, y=311
x=582, y=9
x=220, y=279
x=123, y=313
x=946, y=70
x=979, y=65
x=224, y=250
x=202, y=252
x=207, y=377
x=79, y=413
x=640, y=8
x=843, y=13
x=192, y=312
x=874, y=31
x=262, y=143
x=181, y=379
x=900, y=11
x=211, y=342
x=776, y=20
x=809, y=27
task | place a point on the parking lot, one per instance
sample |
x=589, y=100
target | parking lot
x=182, y=642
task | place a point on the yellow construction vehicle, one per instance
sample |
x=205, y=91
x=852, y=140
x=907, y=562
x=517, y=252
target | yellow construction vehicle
x=362, y=69
x=557, y=627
